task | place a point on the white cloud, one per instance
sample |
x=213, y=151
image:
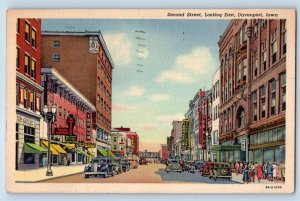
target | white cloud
x=123, y=107
x=143, y=53
x=160, y=97
x=168, y=119
x=119, y=46
x=188, y=67
x=135, y=91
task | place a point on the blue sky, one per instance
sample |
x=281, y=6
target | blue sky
x=153, y=85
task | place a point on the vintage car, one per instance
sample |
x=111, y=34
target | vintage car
x=223, y=169
x=133, y=163
x=143, y=161
x=173, y=165
x=100, y=166
x=199, y=165
x=189, y=166
x=117, y=165
x=125, y=166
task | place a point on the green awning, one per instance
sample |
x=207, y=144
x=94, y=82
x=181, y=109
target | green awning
x=225, y=147
x=31, y=148
x=102, y=152
x=110, y=154
x=84, y=153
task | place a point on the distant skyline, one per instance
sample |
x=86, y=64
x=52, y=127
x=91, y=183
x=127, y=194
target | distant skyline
x=159, y=66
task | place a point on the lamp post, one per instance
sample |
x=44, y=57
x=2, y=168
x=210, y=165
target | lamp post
x=49, y=116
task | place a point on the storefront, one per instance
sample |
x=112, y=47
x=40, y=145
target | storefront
x=57, y=152
x=267, y=145
x=226, y=153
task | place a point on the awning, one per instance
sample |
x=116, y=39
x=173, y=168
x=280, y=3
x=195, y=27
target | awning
x=102, y=152
x=84, y=153
x=59, y=149
x=69, y=146
x=110, y=154
x=52, y=149
x=90, y=153
x=225, y=147
x=31, y=148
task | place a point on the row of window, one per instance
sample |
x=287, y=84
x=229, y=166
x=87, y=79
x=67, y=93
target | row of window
x=268, y=136
x=27, y=98
x=103, y=104
x=215, y=90
x=107, y=75
x=267, y=154
x=104, y=120
x=30, y=33
x=29, y=64
x=103, y=88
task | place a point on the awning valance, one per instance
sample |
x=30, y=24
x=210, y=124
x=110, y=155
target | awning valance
x=59, y=149
x=110, y=154
x=69, y=146
x=52, y=149
x=102, y=152
x=31, y=148
x=84, y=153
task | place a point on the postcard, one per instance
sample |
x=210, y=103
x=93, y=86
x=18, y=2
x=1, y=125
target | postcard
x=150, y=101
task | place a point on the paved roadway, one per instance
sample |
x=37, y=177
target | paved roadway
x=152, y=173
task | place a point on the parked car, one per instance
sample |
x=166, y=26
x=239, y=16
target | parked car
x=199, y=165
x=117, y=165
x=125, y=166
x=143, y=161
x=100, y=166
x=133, y=163
x=223, y=169
x=190, y=166
x=173, y=165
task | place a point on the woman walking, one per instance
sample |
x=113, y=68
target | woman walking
x=282, y=166
x=274, y=171
x=259, y=173
x=237, y=167
x=269, y=172
x=246, y=173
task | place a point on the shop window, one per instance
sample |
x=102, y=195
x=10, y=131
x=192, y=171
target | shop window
x=268, y=155
x=27, y=32
x=262, y=138
x=270, y=136
x=258, y=156
x=280, y=134
x=33, y=38
x=266, y=136
x=279, y=153
x=274, y=135
x=251, y=156
x=26, y=64
x=283, y=132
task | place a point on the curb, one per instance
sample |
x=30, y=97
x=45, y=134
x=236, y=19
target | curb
x=55, y=177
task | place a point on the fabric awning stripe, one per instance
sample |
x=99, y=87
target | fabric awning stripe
x=52, y=149
x=102, y=152
x=109, y=153
x=59, y=149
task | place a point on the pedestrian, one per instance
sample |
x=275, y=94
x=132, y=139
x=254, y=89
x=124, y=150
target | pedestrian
x=65, y=161
x=274, y=167
x=264, y=170
x=246, y=173
x=255, y=170
x=68, y=162
x=279, y=173
x=269, y=171
x=237, y=167
x=44, y=161
x=282, y=166
x=251, y=172
x=259, y=173
x=241, y=167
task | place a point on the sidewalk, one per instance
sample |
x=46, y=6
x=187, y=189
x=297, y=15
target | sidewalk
x=36, y=175
x=239, y=178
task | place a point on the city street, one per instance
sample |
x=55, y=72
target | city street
x=152, y=173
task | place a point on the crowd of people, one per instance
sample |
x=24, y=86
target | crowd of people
x=253, y=171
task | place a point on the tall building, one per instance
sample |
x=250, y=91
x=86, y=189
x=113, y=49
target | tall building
x=84, y=60
x=177, y=151
x=134, y=139
x=253, y=90
x=164, y=152
x=28, y=94
x=215, y=156
x=70, y=103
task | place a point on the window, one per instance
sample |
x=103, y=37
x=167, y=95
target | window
x=60, y=111
x=27, y=32
x=17, y=94
x=17, y=57
x=272, y=85
x=65, y=113
x=33, y=69
x=263, y=101
x=29, y=136
x=26, y=64
x=245, y=33
x=263, y=24
x=283, y=91
x=241, y=117
x=98, y=98
x=31, y=100
x=255, y=64
x=239, y=72
x=274, y=46
x=255, y=31
x=18, y=25
x=25, y=98
x=241, y=37
x=33, y=38
x=244, y=69
x=254, y=99
x=98, y=81
x=56, y=57
x=283, y=38
x=56, y=44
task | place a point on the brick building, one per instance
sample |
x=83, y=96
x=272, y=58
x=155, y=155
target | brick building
x=84, y=60
x=253, y=88
x=164, y=152
x=69, y=103
x=28, y=94
x=134, y=139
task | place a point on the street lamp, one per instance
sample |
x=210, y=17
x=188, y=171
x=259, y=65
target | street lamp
x=49, y=116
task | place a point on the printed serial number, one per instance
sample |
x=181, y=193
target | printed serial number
x=273, y=187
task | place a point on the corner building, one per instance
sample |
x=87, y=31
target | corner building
x=84, y=60
x=253, y=91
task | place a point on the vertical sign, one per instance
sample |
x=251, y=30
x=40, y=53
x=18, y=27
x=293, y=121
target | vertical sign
x=186, y=134
x=88, y=126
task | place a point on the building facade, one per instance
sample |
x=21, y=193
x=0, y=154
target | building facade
x=70, y=103
x=120, y=144
x=215, y=156
x=92, y=76
x=177, y=151
x=134, y=139
x=28, y=94
x=253, y=90
x=164, y=152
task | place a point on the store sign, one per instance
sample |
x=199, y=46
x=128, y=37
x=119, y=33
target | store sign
x=71, y=123
x=88, y=126
x=62, y=131
x=186, y=134
x=25, y=121
x=90, y=145
x=244, y=144
x=70, y=138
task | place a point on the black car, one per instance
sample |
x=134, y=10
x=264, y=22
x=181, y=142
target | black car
x=100, y=166
x=199, y=165
x=125, y=165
